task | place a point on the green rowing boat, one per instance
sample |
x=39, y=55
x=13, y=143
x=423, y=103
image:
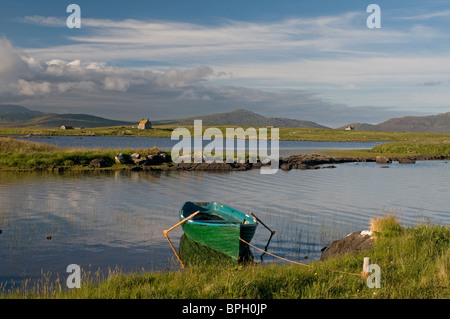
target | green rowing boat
x=218, y=227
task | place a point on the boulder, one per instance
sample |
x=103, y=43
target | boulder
x=156, y=159
x=241, y=166
x=257, y=165
x=353, y=243
x=120, y=159
x=383, y=159
x=406, y=160
x=98, y=163
x=286, y=166
x=141, y=161
x=138, y=159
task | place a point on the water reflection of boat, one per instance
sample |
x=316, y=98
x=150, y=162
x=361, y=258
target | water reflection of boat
x=192, y=252
x=218, y=227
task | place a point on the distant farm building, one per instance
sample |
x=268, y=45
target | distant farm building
x=66, y=127
x=145, y=124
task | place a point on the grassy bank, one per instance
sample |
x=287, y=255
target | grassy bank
x=414, y=263
x=431, y=147
x=163, y=131
x=398, y=149
x=20, y=154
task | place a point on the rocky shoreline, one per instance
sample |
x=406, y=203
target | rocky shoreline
x=301, y=162
x=162, y=162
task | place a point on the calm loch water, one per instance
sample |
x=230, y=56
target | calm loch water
x=115, y=219
x=286, y=148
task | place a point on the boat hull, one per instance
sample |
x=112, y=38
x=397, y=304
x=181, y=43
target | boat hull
x=223, y=234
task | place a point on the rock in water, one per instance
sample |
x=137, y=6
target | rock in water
x=406, y=160
x=383, y=159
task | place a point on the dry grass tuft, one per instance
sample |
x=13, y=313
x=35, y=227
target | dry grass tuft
x=386, y=225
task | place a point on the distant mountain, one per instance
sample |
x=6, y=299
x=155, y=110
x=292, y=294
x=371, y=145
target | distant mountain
x=19, y=116
x=242, y=118
x=16, y=113
x=11, y=108
x=433, y=123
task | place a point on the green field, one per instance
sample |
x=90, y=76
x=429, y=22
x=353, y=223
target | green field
x=297, y=134
x=432, y=147
x=163, y=131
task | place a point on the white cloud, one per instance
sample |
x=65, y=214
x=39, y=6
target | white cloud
x=180, y=78
x=47, y=21
x=425, y=16
x=32, y=88
x=11, y=64
x=81, y=86
x=171, y=41
x=302, y=52
x=191, y=94
x=432, y=83
x=116, y=84
x=25, y=75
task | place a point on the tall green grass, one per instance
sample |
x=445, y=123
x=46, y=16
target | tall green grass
x=414, y=263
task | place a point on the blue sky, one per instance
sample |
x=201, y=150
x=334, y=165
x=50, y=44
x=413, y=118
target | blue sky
x=310, y=60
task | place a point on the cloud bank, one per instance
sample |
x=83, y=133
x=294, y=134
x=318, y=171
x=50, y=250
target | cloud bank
x=331, y=69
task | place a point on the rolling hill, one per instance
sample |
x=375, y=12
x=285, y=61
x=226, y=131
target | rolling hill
x=19, y=116
x=242, y=118
x=439, y=123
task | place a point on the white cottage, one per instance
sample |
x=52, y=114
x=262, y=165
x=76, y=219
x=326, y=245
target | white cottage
x=145, y=124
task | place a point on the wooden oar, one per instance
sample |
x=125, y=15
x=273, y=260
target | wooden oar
x=259, y=220
x=272, y=232
x=174, y=226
